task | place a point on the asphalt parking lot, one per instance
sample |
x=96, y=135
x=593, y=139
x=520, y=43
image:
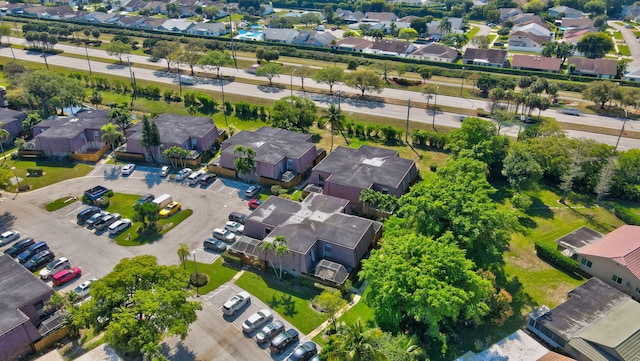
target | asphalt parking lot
x=212, y=336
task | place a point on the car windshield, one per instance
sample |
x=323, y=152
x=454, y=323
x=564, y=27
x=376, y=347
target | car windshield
x=52, y=265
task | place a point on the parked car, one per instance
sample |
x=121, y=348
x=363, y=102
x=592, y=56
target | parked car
x=570, y=111
x=54, y=267
x=96, y=217
x=207, y=179
x=270, y=331
x=128, y=169
x=252, y=191
x=237, y=217
x=39, y=260
x=170, y=209
x=254, y=203
x=194, y=177
x=214, y=245
x=147, y=198
x=9, y=236
x=234, y=227
x=257, y=320
x=235, y=303
x=105, y=222
x=183, y=173
x=164, y=171
x=304, y=352
x=284, y=340
x=86, y=213
x=83, y=289
x=118, y=226
x=19, y=247
x=223, y=235
x=64, y=276
x=31, y=251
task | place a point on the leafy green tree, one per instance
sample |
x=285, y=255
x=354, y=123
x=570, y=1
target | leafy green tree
x=336, y=119
x=215, y=59
x=365, y=80
x=48, y=88
x=521, y=168
x=5, y=30
x=4, y=135
x=150, y=138
x=353, y=342
x=481, y=41
x=5, y=178
x=419, y=25
x=163, y=50
x=330, y=75
x=31, y=121
x=138, y=304
x=294, y=113
x=309, y=18
x=96, y=98
x=118, y=49
x=408, y=34
x=271, y=55
x=176, y=154
x=279, y=248
x=479, y=139
x=399, y=347
x=121, y=115
x=626, y=179
x=600, y=92
x=330, y=302
x=445, y=26
x=245, y=162
x=595, y=45
x=110, y=134
x=148, y=214
x=183, y=254
x=190, y=55
x=269, y=71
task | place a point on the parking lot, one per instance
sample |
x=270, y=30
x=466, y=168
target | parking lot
x=212, y=336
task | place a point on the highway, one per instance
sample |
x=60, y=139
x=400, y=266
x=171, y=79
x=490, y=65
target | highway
x=348, y=105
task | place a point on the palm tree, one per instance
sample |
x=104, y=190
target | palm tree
x=279, y=248
x=245, y=162
x=354, y=342
x=4, y=135
x=445, y=25
x=110, y=134
x=183, y=254
x=335, y=118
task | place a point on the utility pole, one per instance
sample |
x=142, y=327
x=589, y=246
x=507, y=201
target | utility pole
x=406, y=134
x=435, y=103
x=45, y=59
x=462, y=84
x=224, y=107
x=88, y=61
x=621, y=130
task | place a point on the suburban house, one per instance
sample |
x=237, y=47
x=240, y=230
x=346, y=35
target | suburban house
x=58, y=12
x=177, y=25
x=22, y=300
x=354, y=44
x=486, y=57
x=526, y=18
x=391, y=47
x=436, y=52
x=314, y=38
x=33, y=10
x=100, y=17
x=508, y=13
x=435, y=31
x=538, y=63
x=597, y=322
x=600, y=68
x=372, y=16
x=535, y=28
x=565, y=11
x=572, y=36
x=208, y=29
x=150, y=23
x=282, y=156
x=630, y=12
x=518, y=346
x=345, y=172
x=526, y=41
x=11, y=122
x=323, y=241
x=130, y=21
x=349, y=16
x=615, y=259
x=197, y=134
x=577, y=23
x=632, y=75
x=276, y=35
x=572, y=243
x=77, y=136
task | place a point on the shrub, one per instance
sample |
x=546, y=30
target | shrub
x=198, y=279
x=109, y=193
x=34, y=172
x=551, y=254
x=407, y=82
x=24, y=187
x=433, y=167
x=521, y=201
x=626, y=216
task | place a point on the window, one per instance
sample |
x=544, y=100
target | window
x=327, y=251
x=586, y=262
x=616, y=279
x=637, y=289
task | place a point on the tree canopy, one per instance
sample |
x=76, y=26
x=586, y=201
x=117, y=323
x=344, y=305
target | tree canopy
x=479, y=139
x=294, y=113
x=52, y=89
x=269, y=71
x=330, y=75
x=595, y=45
x=365, y=80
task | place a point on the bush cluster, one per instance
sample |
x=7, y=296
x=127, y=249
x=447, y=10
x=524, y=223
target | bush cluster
x=551, y=254
x=626, y=216
x=429, y=139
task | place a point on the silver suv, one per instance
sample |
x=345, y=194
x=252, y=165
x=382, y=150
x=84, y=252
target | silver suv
x=235, y=303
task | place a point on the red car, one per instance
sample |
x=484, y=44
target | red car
x=67, y=275
x=254, y=203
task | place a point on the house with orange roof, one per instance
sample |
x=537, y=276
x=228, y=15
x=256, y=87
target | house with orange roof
x=615, y=259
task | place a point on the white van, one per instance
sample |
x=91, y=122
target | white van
x=194, y=177
x=162, y=200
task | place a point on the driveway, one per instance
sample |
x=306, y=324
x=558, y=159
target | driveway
x=632, y=43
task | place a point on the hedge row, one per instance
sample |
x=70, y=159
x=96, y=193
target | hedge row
x=551, y=254
x=626, y=216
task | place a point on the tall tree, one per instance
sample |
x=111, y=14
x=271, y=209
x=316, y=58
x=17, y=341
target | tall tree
x=147, y=213
x=118, y=49
x=183, y=254
x=479, y=139
x=110, y=134
x=191, y=55
x=606, y=177
x=365, y=80
x=96, y=98
x=330, y=75
x=279, y=248
x=294, y=113
x=5, y=30
x=269, y=71
x=600, y=92
x=215, y=59
x=4, y=135
x=330, y=302
x=121, y=115
x=354, y=342
x=304, y=72
x=45, y=86
x=245, y=162
x=335, y=118
x=163, y=50
x=595, y=45
x=521, y=168
x=445, y=25
x=138, y=304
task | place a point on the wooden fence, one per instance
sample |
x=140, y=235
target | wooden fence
x=49, y=339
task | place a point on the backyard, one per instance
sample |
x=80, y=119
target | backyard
x=52, y=172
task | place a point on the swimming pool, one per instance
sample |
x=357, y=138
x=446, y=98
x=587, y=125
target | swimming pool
x=250, y=35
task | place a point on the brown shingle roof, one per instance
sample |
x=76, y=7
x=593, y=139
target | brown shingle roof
x=392, y=46
x=597, y=67
x=494, y=56
x=536, y=62
x=552, y=356
x=442, y=51
x=354, y=43
x=621, y=245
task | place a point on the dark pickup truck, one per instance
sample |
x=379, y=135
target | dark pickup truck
x=96, y=192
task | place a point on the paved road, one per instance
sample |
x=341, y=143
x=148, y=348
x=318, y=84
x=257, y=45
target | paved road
x=632, y=43
x=348, y=105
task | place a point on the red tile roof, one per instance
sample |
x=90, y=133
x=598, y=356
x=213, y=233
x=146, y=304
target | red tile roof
x=621, y=246
x=536, y=62
x=594, y=66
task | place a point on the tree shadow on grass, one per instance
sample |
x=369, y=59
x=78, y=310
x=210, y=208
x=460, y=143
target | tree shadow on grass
x=289, y=306
x=274, y=302
x=540, y=209
x=591, y=219
x=181, y=352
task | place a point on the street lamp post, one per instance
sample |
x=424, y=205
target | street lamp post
x=406, y=134
x=88, y=61
x=435, y=103
x=622, y=130
x=291, y=85
x=224, y=107
x=13, y=169
x=195, y=266
x=462, y=84
x=338, y=93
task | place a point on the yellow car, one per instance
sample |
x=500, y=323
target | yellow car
x=170, y=209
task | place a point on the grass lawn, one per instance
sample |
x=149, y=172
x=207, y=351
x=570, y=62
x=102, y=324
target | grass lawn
x=59, y=203
x=292, y=304
x=217, y=272
x=53, y=171
x=624, y=50
x=123, y=204
x=618, y=35
x=360, y=312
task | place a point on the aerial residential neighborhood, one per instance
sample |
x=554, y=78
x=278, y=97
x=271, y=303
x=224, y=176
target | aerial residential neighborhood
x=399, y=180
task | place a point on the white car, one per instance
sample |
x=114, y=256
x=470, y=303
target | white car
x=54, y=267
x=223, y=235
x=164, y=171
x=8, y=237
x=119, y=226
x=128, y=169
x=194, y=177
x=235, y=303
x=234, y=227
x=183, y=173
x=83, y=289
x=257, y=320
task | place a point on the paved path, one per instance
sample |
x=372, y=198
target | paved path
x=632, y=43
